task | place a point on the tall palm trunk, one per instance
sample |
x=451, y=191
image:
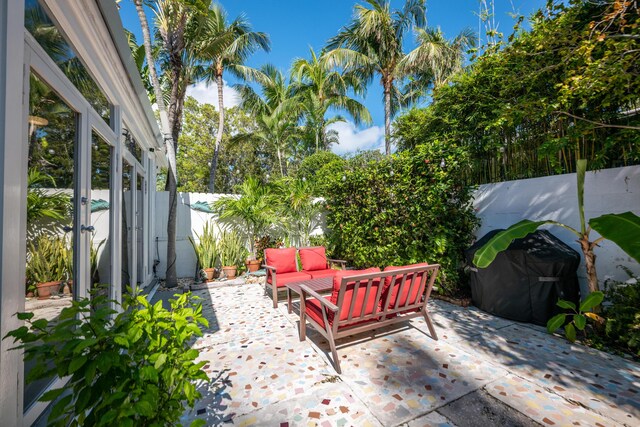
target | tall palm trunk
x=216, y=150
x=279, y=153
x=171, y=276
x=387, y=115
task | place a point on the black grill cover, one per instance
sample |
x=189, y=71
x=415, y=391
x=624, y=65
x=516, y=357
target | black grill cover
x=525, y=281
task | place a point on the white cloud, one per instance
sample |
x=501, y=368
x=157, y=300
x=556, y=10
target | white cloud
x=209, y=94
x=353, y=139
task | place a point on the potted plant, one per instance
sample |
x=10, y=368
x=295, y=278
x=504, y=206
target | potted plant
x=47, y=264
x=206, y=251
x=232, y=252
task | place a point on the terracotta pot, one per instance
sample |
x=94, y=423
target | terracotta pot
x=47, y=288
x=253, y=265
x=210, y=272
x=230, y=272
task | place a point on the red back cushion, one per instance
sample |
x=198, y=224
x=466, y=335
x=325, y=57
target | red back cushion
x=313, y=258
x=284, y=260
x=348, y=295
x=391, y=292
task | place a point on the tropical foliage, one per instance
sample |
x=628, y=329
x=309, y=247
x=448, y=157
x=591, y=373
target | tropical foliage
x=392, y=210
x=131, y=367
x=531, y=106
x=225, y=45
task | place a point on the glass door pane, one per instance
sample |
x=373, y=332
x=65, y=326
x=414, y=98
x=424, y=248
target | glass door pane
x=100, y=249
x=140, y=239
x=127, y=225
x=52, y=134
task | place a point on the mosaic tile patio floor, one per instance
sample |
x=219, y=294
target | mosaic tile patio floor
x=399, y=375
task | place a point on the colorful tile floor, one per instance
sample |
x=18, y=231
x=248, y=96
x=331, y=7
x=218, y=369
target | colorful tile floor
x=399, y=375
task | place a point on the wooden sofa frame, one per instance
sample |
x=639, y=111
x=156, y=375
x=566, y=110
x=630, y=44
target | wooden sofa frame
x=271, y=272
x=381, y=316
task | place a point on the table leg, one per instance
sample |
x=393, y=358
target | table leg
x=289, y=300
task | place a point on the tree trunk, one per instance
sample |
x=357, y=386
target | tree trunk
x=279, y=159
x=171, y=277
x=590, y=263
x=216, y=149
x=387, y=117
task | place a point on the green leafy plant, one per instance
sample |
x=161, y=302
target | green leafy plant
x=206, y=250
x=231, y=248
x=47, y=259
x=128, y=368
x=93, y=260
x=266, y=242
x=578, y=316
x=251, y=214
x=622, y=229
x=402, y=209
x=622, y=312
x=299, y=210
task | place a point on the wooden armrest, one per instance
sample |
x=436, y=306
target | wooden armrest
x=269, y=267
x=305, y=290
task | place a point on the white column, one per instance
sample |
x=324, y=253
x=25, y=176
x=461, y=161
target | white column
x=13, y=176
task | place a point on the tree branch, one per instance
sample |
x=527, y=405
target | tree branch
x=599, y=124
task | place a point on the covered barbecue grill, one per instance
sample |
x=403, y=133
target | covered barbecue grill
x=525, y=281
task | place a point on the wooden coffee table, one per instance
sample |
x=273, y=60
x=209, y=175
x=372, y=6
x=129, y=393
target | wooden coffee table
x=322, y=284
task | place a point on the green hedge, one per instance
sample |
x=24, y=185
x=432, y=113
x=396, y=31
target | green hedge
x=406, y=208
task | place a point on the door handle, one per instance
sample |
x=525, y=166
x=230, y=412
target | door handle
x=89, y=228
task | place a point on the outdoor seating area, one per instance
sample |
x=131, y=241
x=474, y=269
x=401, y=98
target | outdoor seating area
x=409, y=213
x=483, y=368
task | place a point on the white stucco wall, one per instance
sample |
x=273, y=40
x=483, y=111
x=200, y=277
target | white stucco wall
x=555, y=197
x=189, y=223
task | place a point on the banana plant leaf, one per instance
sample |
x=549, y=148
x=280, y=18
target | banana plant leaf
x=501, y=241
x=622, y=229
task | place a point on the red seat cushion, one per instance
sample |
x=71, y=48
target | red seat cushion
x=314, y=258
x=284, y=278
x=329, y=272
x=348, y=295
x=390, y=293
x=284, y=260
x=314, y=311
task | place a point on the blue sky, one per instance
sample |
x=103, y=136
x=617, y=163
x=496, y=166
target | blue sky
x=296, y=25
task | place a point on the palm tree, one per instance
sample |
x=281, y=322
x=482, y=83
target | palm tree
x=322, y=87
x=173, y=19
x=435, y=59
x=372, y=44
x=225, y=45
x=252, y=213
x=302, y=213
x=276, y=112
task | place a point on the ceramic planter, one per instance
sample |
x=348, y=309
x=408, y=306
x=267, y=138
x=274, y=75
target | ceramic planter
x=46, y=289
x=253, y=265
x=230, y=272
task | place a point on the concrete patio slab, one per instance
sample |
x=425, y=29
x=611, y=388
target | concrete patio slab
x=399, y=375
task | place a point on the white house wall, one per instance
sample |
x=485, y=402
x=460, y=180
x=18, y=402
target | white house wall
x=555, y=197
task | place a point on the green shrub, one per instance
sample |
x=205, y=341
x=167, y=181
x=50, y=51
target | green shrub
x=318, y=167
x=406, y=208
x=622, y=312
x=134, y=369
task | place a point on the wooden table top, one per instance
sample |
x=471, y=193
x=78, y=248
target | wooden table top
x=320, y=284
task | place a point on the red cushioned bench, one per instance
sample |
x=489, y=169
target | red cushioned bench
x=368, y=299
x=282, y=266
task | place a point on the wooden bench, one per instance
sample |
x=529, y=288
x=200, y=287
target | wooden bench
x=368, y=299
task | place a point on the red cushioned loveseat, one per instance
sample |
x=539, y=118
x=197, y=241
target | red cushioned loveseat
x=282, y=266
x=368, y=299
